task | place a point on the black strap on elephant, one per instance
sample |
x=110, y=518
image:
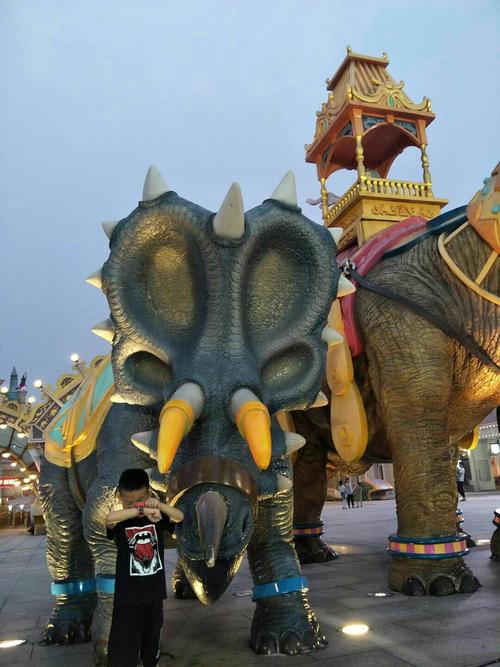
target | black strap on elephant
x=461, y=337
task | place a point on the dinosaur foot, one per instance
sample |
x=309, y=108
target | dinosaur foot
x=314, y=550
x=285, y=624
x=182, y=587
x=70, y=620
x=431, y=577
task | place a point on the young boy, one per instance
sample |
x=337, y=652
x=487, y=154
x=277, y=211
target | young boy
x=140, y=587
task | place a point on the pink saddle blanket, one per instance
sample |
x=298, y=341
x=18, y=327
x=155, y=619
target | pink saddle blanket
x=365, y=259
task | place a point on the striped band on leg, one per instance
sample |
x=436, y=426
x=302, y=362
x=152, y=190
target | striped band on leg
x=308, y=529
x=452, y=546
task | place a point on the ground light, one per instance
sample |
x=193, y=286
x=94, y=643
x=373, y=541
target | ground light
x=10, y=643
x=379, y=594
x=355, y=629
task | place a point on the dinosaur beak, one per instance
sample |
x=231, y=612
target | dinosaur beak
x=211, y=517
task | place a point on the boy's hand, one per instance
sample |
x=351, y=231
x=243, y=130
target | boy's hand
x=153, y=514
x=151, y=502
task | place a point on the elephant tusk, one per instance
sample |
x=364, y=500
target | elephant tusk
x=176, y=420
x=253, y=421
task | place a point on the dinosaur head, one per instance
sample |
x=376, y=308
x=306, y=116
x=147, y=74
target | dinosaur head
x=217, y=321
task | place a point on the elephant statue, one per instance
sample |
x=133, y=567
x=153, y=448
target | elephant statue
x=429, y=319
x=217, y=325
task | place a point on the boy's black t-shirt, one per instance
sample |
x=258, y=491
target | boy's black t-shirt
x=140, y=571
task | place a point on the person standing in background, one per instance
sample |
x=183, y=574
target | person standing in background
x=342, y=494
x=461, y=480
x=349, y=493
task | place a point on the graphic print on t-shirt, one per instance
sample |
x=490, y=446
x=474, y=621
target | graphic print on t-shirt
x=143, y=546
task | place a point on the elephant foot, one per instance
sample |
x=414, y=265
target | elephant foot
x=431, y=577
x=70, y=620
x=285, y=624
x=314, y=550
x=101, y=627
x=182, y=587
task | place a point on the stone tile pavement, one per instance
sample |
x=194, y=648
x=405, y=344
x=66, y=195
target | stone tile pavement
x=457, y=631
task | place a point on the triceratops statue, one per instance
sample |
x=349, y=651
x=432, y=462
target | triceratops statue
x=218, y=323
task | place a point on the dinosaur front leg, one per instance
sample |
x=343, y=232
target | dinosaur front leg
x=69, y=560
x=283, y=621
x=427, y=550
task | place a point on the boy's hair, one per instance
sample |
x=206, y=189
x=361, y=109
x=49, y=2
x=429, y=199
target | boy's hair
x=133, y=479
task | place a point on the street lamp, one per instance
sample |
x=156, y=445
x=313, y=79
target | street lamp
x=4, y=390
x=31, y=400
x=2, y=426
x=78, y=365
x=39, y=385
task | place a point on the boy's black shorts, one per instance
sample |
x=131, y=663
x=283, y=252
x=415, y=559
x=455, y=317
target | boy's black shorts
x=135, y=631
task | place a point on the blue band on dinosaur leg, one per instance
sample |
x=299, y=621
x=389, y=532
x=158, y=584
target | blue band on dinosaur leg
x=106, y=583
x=76, y=587
x=280, y=587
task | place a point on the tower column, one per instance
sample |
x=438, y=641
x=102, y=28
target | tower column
x=360, y=161
x=425, y=168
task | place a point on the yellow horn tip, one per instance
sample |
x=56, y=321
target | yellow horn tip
x=176, y=420
x=254, y=424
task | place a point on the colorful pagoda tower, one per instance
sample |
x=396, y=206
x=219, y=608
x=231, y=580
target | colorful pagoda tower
x=367, y=121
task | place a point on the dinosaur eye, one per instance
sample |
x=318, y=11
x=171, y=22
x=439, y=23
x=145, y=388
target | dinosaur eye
x=146, y=370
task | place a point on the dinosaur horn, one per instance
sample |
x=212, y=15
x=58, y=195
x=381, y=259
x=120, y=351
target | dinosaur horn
x=95, y=279
x=154, y=185
x=320, y=401
x=254, y=424
x=211, y=516
x=176, y=420
x=147, y=441
x=293, y=442
x=286, y=192
x=229, y=221
x=331, y=337
x=109, y=227
x=104, y=329
x=337, y=233
x=345, y=287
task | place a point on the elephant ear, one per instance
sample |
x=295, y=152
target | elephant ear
x=157, y=286
x=289, y=281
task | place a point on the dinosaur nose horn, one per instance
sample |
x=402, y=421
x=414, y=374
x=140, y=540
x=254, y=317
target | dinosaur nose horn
x=254, y=424
x=176, y=420
x=211, y=515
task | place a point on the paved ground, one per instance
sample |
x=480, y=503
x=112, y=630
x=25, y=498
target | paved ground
x=457, y=631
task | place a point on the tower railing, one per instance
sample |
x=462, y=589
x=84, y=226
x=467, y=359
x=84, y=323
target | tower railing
x=378, y=186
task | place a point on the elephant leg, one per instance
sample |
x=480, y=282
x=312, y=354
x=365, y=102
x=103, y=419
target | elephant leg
x=413, y=397
x=68, y=558
x=309, y=495
x=282, y=623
